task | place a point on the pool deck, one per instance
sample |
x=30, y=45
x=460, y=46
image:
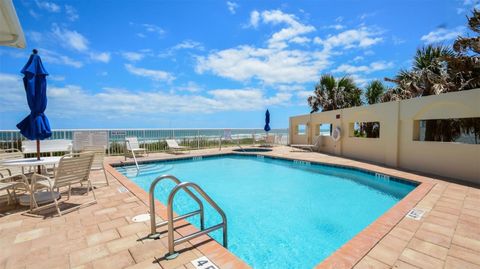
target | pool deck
x=103, y=235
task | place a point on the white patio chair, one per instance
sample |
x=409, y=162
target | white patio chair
x=173, y=145
x=133, y=148
x=99, y=156
x=72, y=169
x=11, y=179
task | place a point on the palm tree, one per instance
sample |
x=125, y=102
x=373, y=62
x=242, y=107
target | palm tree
x=331, y=93
x=374, y=92
x=428, y=75
x=464, y=67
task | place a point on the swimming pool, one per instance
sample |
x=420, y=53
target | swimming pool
x=281, y=213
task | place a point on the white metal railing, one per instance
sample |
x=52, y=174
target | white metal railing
x=154, y=139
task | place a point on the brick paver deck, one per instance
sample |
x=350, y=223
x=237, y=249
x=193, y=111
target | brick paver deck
x=104, y=236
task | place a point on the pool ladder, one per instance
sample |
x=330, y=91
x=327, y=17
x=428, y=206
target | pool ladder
x=171, y=219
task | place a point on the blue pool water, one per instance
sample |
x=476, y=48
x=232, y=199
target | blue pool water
x=280, y=214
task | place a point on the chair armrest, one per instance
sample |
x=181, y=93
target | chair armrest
x=37, y=177
x=23, y=180
x=5, y=170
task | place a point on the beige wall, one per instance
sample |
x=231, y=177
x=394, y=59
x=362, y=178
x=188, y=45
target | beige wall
x=396, y=147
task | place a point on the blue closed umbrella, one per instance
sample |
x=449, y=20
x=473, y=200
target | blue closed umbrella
x=267, y=121
x=35, y=126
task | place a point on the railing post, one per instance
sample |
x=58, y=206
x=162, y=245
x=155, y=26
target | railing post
x=198, y=139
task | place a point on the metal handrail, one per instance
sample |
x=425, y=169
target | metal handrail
x=153, y=223
x=171, y=240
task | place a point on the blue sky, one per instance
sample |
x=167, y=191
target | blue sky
x=191, y=64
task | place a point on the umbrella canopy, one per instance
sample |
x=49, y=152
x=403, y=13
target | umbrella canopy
x=35, y=126
x=11, y=33
x=267, y=121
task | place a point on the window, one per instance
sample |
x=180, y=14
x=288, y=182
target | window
x=301, y=129
x=324, y=129
x=460, y=130
x=365, y=129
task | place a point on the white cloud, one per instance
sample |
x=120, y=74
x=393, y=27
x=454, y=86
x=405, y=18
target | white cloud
x=35, y=36
x=366, y=15
x=156, y=75
x=372, y=67
x=265, y=64
x=147, y=29
x=232, y=7
x=13, y=94
x=335, y=26
x=184, y=45
x=133, y=56
x=71, y=12
x=191, y=86
x=304, y=94
x=360, y=80
x=397, y=40
x=48, y=6
x=53, y=57
x=70, y=39
x=277, y=63
x=293, y=30
x=362, y=37
x=56, y=78
x=442, y=34
x=103, y=57
x=33, y=14
x=72, y=101
x=254, y=19
x=188, y=44
x=48, y=57
x=358, y=58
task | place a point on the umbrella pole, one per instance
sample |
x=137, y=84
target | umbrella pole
x=39, y=169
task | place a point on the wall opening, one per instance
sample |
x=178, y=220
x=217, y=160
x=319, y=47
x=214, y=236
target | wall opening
x=458, y=130
x=301, y=129
x=323, y=129
x=364, y=129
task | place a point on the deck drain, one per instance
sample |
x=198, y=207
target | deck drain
x=122, y=190
x=203, y=263
x=141, y=218
x=416, y=214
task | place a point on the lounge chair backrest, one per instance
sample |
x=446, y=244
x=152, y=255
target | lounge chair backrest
x=10, y=154
x=316, y=140
x=132, y=143
x=73, y=168
x=49, y=145
x=172, y=143
x=99, y=155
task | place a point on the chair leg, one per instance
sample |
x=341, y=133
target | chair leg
x=69, y=191
x=9, y=197
x=93, y=192
x=56, y=203
x=106, y=178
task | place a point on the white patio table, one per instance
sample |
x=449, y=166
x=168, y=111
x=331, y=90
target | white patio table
x=40, y=197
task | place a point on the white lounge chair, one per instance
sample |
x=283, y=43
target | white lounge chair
x=99, y=156
x=133, y=148
x=173, y=145
x=309, y=147
x=47, y=146
x=72, y=169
